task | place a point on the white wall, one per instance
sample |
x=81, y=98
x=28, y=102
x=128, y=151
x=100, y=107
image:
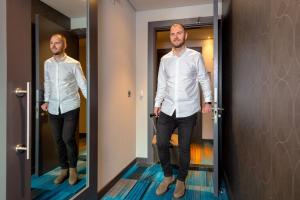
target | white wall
x=142, y=20
x=79, y=22
x=116, y=76
x=3, y=79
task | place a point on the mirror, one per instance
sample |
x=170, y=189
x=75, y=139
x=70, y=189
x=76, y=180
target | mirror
x=60, y=128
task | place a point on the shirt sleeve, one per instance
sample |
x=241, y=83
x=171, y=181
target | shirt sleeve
x=80, y=79
x=204, y=80
x=46, y=83
x=161, y=85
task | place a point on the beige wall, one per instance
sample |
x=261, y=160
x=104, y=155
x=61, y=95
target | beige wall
x=142, y=19
x=116, y=144
x=3, y=78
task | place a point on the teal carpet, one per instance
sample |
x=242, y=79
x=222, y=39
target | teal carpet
x=141, y=181
x=43, y=188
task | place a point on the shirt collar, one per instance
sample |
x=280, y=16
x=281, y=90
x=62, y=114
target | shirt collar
x=62, y=59
x=180, y=53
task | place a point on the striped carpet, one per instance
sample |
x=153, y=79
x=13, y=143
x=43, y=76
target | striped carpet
x=141, y=181
x=43, y=188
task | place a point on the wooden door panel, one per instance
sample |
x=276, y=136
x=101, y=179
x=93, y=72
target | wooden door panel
x=18, y=73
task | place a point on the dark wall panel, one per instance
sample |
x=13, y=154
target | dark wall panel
x=51, y=14
x=261, y=56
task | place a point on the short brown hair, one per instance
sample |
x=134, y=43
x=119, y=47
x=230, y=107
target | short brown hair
x=178, y=24
x=64, y=39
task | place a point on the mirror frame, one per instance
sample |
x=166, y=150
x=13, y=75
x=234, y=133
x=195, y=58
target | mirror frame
x=90, y=190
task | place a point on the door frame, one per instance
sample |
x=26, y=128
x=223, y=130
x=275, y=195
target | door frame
x=218, y=99
x=19, y=46
x=153, y=27
x=90, y=191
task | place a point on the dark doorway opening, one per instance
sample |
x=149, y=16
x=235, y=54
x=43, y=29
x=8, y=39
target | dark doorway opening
x=199, y=39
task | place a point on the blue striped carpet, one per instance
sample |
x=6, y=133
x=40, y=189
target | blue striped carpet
x=141, y=181
x=43, y=188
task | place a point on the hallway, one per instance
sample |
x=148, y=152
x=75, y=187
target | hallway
x=141, y=181
x=258, y=143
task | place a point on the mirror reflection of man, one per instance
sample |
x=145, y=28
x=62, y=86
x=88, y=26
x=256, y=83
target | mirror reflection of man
x=177, y=104
x=63, y=78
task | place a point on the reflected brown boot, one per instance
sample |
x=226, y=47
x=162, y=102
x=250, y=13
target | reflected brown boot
x=179, y=189
x=73, y=176
x=63, y=175
x=164, y=185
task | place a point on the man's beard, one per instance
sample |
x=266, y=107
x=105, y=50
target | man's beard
x=178, y=45
x=57, y=53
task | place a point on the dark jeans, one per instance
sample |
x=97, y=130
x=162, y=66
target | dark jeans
x=64, y=128
x=165, y=127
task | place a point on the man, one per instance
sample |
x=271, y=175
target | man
x=177, y=103
x=63, y=76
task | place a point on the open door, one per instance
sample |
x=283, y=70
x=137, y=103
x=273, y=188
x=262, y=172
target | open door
x=18, y=96
x=217, y=105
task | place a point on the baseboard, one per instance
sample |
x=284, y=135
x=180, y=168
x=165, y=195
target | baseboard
x=109, y=185
x=227, y=186
x=142, y=160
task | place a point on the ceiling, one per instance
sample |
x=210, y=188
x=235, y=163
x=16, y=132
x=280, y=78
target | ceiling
x=193, y=34
x=77, y=8
x=70, y=8
x=158, y=4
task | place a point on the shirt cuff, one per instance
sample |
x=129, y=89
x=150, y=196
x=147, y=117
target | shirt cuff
x=208, y=100
x=157, y=104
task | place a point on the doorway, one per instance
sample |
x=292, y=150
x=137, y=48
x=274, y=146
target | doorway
x=204, y=125
x=199, y=39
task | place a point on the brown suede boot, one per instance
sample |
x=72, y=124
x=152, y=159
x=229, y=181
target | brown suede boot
x=179, y=189
x=73, y=176
x=164, y=185
x=63, y=175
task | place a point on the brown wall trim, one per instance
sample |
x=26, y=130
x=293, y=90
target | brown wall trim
x=109, y=185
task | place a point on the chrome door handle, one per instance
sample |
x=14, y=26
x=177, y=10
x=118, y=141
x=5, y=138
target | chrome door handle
x=216, y=112
x=20, y=148
x=20, y=93
x=218, y=109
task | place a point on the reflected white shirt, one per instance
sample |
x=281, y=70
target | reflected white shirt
x=178, y=83
x=62, y=81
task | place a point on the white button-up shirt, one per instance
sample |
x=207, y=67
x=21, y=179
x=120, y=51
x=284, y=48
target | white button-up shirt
x=178, y=83
x=62, y=79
